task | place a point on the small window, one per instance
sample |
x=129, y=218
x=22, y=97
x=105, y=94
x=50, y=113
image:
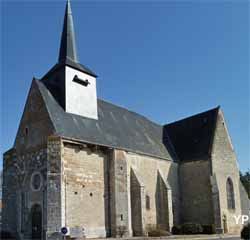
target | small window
x=26, y=131
x=91, y=194
x=36, y=181
x=147, y=202
x=230, y=194
x=121, y=217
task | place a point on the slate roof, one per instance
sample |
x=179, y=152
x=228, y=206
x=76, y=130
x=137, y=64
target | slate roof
x=185, y=140
x=72, y=64
x=192, y=137
x=116, y=127
x=68, y=43
x=68, y=50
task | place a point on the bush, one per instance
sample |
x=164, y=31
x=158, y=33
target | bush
x=245, y=232
x=157, y=231
x=176, y=230
x=191, y=228
x=208, y=229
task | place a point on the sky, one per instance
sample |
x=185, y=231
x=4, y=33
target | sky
x=163, y=59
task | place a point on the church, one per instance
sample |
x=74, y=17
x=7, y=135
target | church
x=101, y=170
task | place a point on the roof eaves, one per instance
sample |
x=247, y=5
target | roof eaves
x=112, y=147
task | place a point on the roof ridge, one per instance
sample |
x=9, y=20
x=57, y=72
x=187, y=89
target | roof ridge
x=193, y=116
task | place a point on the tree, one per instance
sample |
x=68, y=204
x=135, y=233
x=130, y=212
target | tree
x=245, y=179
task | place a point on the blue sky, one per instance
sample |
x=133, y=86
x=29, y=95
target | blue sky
x=164, y=59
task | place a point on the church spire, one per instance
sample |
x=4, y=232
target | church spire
x=68, y=44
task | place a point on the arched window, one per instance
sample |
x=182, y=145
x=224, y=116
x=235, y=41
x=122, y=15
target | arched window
x=230, y=194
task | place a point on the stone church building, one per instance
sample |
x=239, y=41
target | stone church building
x=99, y=169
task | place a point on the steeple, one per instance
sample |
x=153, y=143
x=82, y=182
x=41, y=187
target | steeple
x=72, y=84
x=68, y=45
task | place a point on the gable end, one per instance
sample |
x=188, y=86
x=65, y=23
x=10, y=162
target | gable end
x=35, y=125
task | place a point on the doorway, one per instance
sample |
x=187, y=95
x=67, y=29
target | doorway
x=36, y=222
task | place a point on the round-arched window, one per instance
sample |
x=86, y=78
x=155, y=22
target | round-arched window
x=230, y=194
x=36, y=181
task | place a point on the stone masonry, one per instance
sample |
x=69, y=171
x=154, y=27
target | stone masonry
x=101, y=170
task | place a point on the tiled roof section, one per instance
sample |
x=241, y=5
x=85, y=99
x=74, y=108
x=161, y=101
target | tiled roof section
x=192, y=137
x=116, y=127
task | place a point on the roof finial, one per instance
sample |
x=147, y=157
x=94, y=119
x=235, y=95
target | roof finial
x=68, y=44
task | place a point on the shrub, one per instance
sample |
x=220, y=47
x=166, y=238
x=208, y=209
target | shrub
x=176, y=229
x=245, y=232
x=157, y=231
x=208, y=229
x=191, y=228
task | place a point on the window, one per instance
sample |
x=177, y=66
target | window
x=26, y=131
x=36, y=181
x=81, y=81
x=230, y=194
x=147, y=202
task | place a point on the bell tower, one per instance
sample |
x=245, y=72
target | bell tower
x=72, y=84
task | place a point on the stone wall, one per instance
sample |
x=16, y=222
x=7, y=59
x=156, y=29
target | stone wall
x=137, y=196
x=84, y=192
x=147, y=170
x=164, y=213
x=224, y=166
x=28, y=157
x=35, y=125
x=9, y=193
x=119, y=195
x=54, y=187
x=196, y=192
x=245, y=201
x=96, y=190
x=19, y=195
